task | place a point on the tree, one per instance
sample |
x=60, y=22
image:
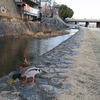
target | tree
x=64, y=12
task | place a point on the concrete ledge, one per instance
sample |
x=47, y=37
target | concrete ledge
x=10, y=19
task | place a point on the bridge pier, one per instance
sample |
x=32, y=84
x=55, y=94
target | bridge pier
x=98, y=25
x=87, y=23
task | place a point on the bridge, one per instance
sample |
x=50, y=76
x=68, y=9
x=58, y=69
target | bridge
x=87, y=21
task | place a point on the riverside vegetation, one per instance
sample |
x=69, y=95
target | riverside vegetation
x=38, y=34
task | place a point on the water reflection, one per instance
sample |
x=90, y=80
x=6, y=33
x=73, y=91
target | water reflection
x=13, y=50
x=10, y=54
x=48, y=44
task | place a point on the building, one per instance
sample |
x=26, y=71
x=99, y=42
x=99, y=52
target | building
x=55, y=8
x=46, y=8
x=28, y=9
x=49, y=8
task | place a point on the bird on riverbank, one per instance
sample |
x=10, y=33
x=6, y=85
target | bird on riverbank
x=24, y=63
x=25, y=74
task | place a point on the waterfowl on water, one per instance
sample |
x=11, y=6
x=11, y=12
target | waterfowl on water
x=26, y=73
x=24, y=63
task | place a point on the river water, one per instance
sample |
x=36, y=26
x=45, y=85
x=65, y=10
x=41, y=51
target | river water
x=13, y=50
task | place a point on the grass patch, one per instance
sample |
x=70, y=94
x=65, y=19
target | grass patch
x=37, y=31
x=45, y=31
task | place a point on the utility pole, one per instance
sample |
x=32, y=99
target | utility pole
x=40, y=14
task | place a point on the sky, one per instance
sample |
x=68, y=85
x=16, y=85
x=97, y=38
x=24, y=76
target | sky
x=83, y=8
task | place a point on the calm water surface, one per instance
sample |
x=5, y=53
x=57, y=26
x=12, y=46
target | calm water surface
x=13, y=50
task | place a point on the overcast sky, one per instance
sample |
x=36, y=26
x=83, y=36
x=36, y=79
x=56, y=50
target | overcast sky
x=83, y=8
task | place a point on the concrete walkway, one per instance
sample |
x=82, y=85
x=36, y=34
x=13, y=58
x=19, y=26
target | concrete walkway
x=72, y=72
x=85, y=76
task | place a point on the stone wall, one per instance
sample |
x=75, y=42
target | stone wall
x=15, y=28
x=55, y=22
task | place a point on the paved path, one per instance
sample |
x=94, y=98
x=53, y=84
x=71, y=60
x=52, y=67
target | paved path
x=72, y=72
x=85, y=77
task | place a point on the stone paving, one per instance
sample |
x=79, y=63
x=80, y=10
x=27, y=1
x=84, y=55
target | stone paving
x=58, y=63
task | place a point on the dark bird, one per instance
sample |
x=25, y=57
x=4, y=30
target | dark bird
x=24, y=63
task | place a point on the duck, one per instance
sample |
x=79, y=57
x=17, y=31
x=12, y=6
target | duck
x=26, y=73
x=24, y=63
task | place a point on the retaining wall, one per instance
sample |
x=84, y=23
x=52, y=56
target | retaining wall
x=14, y=28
